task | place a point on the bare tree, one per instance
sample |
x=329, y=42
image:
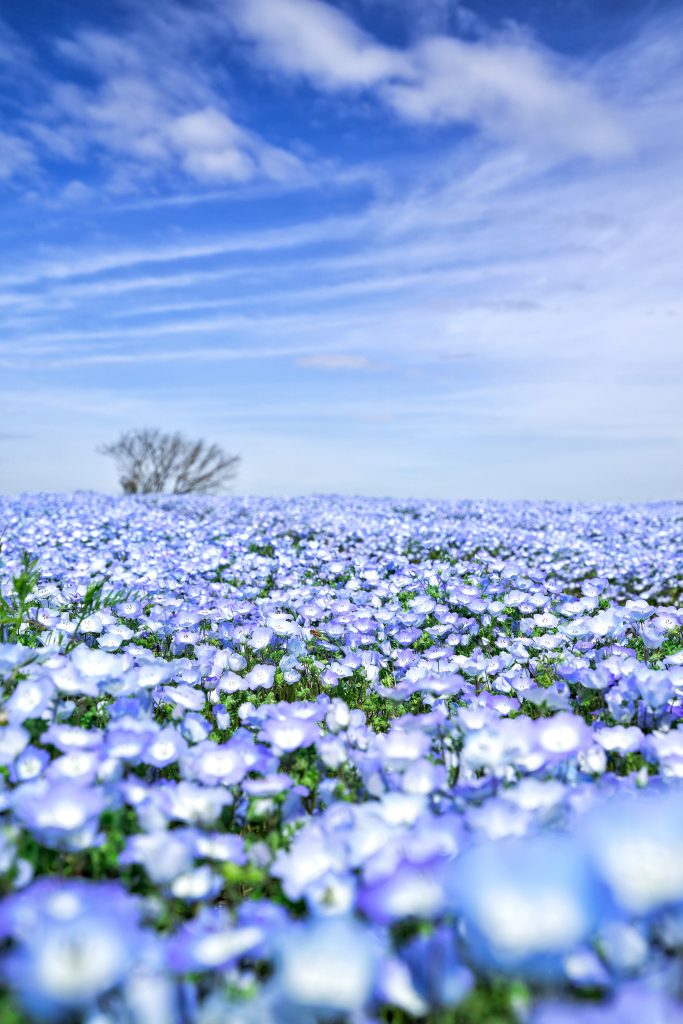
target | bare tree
x=152, y=462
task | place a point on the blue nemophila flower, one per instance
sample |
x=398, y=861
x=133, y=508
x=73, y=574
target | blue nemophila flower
x=400, y=747
x=146, y=676
x=260, y=638
x=92, y=624
x=423, y=776
x=196, y=885
x=211, y=942
x=338, y=716
x=286, y=730
x=14, y=655
x=502, y=744
x=311, y=856
x=67, y=679
x=656, y=689
x=327, y=967
x=544, y=798
x=541, y=901
x=652, y=635
x=13, y=740
x=129, y=609
x=194, y=727
x=636, y=843
x=270, y=785
x=593, y=587
x=164, y=748
x=72, y=942
x=230, y=682
x=222, y=717
x=666, y=748
x=29, y=764
x=184, y=696
x=497, y=818
x=638, y=610
x=193, y=803
x=282, y=624
x=99, y=665
x=620, y=739
x=633, y=1004
x=114, y=637
x=78, y=765
x=133, y=708
x=624, y=947
x=260, y=677
x=436, y=969
x=62, y=815
x=447, y=733
x=215, y=764
x=562, y=736
x=413, y=889
x=71, y=737
x=220, y=847
x=128, y=744
x=668, y=620
x=30, y=698
x=164, y=855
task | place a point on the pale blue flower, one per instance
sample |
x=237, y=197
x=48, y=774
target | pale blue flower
x=526, y=904
x=327, y=967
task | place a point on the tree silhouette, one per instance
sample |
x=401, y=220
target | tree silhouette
x=150, y=461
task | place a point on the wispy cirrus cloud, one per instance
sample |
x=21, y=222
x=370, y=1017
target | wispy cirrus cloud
x=65, y=265
x=16, y=156
x=336, y=361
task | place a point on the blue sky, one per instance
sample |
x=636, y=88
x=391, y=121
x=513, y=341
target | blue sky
x=398, y=247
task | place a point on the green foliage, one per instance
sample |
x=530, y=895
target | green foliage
x=10, y=1012
x=590, y=703
x=95, y=599
x=19, y=626
x=96, y=862
x=15, y=623
x=497, y=1002
x=626, y=764
x=91, y=712
x=265, y=550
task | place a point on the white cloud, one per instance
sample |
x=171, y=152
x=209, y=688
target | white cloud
x=66, y=265
x=152, y=106
x=214, y=148
x=149, y=108
x=230, y=164
x=510, y=90
x=507, y=85
x=211, y=146
x=336, y=361
x=16, y=156
x=315, y=40
x=207, y=129
x=75, y=192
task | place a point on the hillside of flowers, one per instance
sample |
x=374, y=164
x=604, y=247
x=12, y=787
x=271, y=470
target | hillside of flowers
x=340, y=760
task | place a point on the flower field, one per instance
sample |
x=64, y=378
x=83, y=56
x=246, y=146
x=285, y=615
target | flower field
x=328, y=760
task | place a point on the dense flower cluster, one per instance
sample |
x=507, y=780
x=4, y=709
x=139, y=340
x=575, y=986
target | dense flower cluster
x=325, y=760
